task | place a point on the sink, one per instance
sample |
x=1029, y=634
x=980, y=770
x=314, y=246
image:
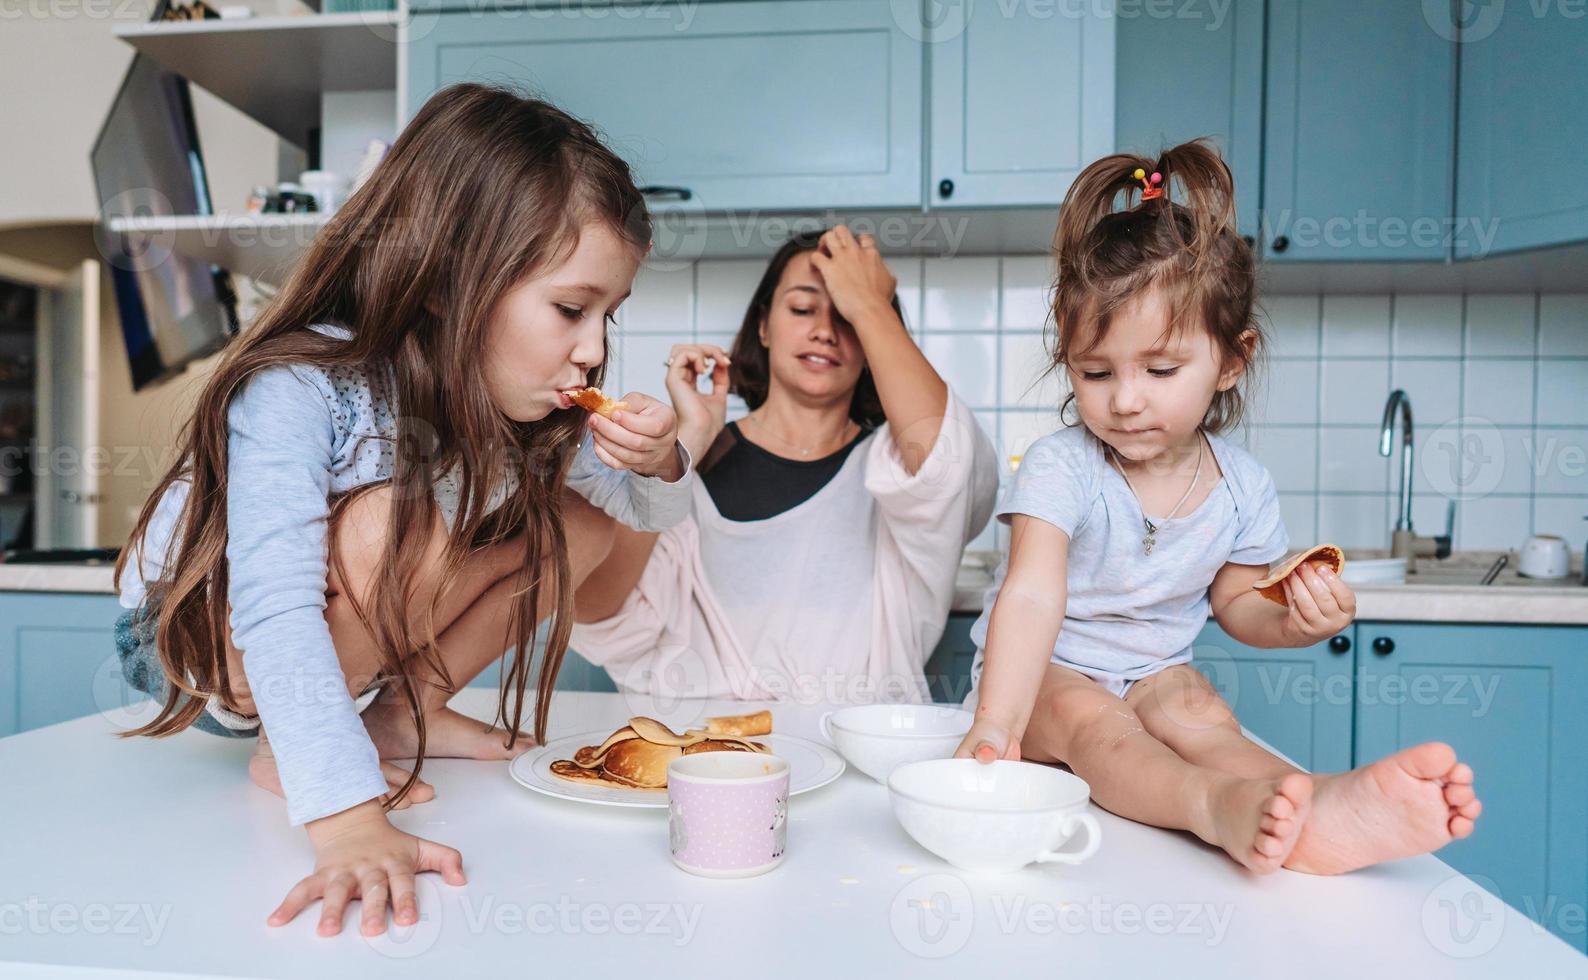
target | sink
x=1462, y=568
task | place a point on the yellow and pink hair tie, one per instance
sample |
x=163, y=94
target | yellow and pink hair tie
x=1152, y=185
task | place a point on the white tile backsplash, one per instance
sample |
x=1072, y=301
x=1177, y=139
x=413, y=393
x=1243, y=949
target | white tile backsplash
x=968, y=362
x=1434, y=387
x=662, y=301
x=1292, y=325
x=1353, y=520
x=1562, y=516
x=1493, y=522
x=1500, y=325
x=1558, y=459
x=1350, y=461
x=1027, y=292
x=1025, y=380
x=1514, y=366
x=1427, y=325
x=960, y=294
x=1499, y=392
x=1563, y=392
x=1287, y=393
x=723, y=290
x=1356, y=326
x=1353, y=392
x=1563, y=325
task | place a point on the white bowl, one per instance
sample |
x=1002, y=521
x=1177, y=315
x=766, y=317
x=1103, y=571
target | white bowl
x=1384, y=571
x=875, y=738
x=994, y=817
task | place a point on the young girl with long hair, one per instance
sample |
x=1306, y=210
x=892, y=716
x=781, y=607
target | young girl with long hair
x=384, y=484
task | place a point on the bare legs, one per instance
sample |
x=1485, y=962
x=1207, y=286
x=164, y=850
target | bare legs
x=471, y=630
x=1412, y=802
x=1255, y=819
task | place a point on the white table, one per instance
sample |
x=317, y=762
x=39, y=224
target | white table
x=160, y=856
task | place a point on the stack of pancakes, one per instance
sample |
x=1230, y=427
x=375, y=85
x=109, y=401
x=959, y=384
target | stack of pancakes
x=636, y=756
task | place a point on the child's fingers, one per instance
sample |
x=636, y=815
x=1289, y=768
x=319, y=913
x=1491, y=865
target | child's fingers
x=1343, y=596
x=372, y=893
x=440, y=857
x=608, y=458
x=1321, y=594
x=334, y=904
x=614, y=434
x=1301, y=600
x=648, y=416
x=404, y=901
x=304, y=892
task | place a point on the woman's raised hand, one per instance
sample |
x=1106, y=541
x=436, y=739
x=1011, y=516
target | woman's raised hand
x=856, y=277
x=700, y=416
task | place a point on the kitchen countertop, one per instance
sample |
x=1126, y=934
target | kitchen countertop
x=158, y=856
x=1446, y=594
x=1510, y=600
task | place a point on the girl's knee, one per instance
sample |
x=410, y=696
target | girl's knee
x=1179, y=702
x=1080, y=713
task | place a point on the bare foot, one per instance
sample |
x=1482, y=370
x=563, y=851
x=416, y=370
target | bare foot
x=262, y=770
x=448, y=734
x=1415, y=801
x=1258, y=821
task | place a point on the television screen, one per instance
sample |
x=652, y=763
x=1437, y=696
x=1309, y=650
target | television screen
x=146, y=163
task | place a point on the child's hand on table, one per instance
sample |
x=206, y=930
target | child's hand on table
x=1321, y=605
x=987, y=741
x=642, y=438
x=359, y=854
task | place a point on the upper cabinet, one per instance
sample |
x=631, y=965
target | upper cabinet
x=797, y=104
x=1359, y=147
x=1181, y=77
x=1524, y=129
x=1021, y=98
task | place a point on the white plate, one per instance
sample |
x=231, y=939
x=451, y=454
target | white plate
x=811, y=766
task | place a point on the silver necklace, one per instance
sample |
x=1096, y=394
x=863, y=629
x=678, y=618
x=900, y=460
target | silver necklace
x=1151, y=537
x=763, y=427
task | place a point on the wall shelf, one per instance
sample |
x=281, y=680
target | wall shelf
x=276, y=69
x=263, y=247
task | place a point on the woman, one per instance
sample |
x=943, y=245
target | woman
x=819, y=560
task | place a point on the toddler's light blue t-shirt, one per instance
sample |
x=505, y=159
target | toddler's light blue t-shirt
x=1129, y=614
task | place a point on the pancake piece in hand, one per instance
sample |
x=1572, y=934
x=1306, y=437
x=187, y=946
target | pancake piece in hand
x=1323, y=554
x=592, y=400
x=636, y=756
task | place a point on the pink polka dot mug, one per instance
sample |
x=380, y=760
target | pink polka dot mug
x=727, y=813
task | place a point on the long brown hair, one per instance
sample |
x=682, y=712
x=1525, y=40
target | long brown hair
x=1109, y=257
x=481, y=190
x=749, y=373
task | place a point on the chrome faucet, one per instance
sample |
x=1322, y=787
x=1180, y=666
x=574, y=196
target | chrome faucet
x=1404, y=542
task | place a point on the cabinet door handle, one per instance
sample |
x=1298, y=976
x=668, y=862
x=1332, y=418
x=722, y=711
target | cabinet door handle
x=1383, y=646
x=663, y=190
x=1340, y=644
x=945, y=188
x=1281, y=243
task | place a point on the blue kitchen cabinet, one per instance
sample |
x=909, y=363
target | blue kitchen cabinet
x=1297, y=700
x=1524, y=128
x=786, y=104
x=57, y=658
x=1359, y=142
x=1201, y=74
x=576, y=674
x=1509, y=699
x=948, y=668
x=1021, y=98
